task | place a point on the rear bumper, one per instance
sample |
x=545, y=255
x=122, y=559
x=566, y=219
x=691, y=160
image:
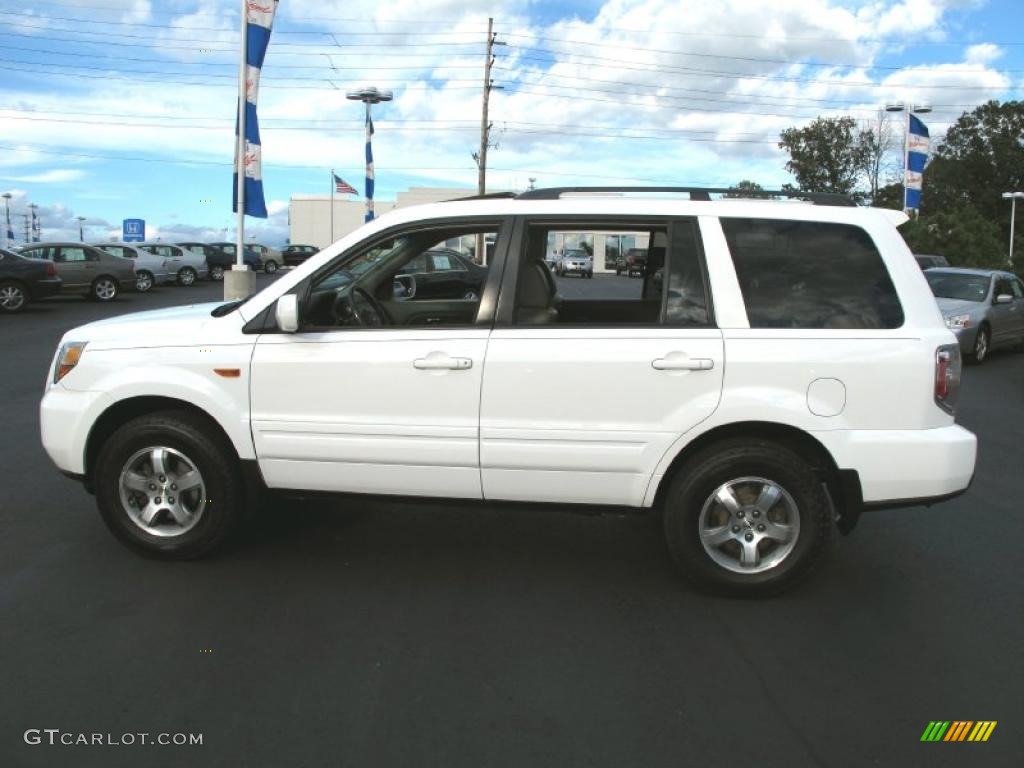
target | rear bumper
x=905, y=467
x=40, y=289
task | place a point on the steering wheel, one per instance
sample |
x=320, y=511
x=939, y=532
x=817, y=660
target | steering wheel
x=359, y=305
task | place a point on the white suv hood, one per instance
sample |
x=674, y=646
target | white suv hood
x=172, y=327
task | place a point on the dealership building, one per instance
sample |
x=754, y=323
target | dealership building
x=310, y=223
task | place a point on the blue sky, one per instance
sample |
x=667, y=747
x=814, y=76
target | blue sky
x=124, y=108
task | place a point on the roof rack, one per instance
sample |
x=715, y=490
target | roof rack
x=702, y=194
x=488, y=196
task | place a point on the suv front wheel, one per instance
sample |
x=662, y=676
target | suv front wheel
x=166, y=487
x=748, y=517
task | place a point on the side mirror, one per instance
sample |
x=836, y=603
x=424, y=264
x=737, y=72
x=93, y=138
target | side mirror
x=404, y=287
x=287, y=313
x=1003, y=298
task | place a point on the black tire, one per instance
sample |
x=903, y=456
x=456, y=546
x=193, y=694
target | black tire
x=104, y=288
x=692, y=487
x=144, y=281
x=216, y=462
x=270, y=267
x=13, y=297
x=982, y=346
x=186, y=276
x=217, y=273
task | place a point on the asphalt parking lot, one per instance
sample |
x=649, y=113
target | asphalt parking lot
x=378, y=634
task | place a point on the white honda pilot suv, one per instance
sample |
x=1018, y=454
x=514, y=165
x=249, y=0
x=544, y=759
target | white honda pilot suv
x=781, y=367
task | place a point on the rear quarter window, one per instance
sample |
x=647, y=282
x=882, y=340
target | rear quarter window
x=808, y=274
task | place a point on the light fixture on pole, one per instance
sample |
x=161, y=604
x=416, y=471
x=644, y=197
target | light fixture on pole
x=1013, y=197
x=908, y=109
x=369, y=96
x=81, y=232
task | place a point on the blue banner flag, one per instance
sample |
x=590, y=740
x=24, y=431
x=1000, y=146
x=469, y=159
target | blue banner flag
x=369, y=166
x=259, y=21
x=918, y=145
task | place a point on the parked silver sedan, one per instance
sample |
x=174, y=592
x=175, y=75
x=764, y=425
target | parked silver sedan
x=84, y=269
x=983, y=307
x=187, y=265
x=149, y=269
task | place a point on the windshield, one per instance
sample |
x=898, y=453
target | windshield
x=947, y=285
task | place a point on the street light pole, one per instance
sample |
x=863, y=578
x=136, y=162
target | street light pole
x=8, y=232
x=81, y=232
x=908, y=110
x=368, y=95
x=1012, y=197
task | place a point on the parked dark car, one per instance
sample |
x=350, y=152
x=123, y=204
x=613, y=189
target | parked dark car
x=442, y=273
x=23, y=280
x=250, y=257
x=216, y=259
x=632, y=263
x=927, y=261
x=296, y=254
x=84, y=269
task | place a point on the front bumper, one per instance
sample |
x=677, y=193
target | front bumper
x=966, y=337
x=65, y=417
x=40, y=289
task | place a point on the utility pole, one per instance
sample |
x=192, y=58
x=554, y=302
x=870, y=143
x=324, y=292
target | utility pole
x=28, y=237
x=485, y=132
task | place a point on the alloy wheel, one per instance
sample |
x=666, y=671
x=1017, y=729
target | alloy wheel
x=144, y=282
x=749, y=525
x=12, y=297
x=981, y=345
x=162, y=491
x=105, y=289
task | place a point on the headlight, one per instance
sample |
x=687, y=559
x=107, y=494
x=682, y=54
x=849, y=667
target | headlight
x=68, y=358
x=956, y=322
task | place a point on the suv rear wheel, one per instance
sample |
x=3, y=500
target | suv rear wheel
x=747, y=517
x=166, y=487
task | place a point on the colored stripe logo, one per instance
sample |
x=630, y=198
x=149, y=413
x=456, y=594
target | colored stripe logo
x=958, y=730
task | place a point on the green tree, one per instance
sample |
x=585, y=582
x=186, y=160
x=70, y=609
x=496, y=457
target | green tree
x=981, y=156
x=746, y=188
x=961, y=234
x=828, y=155
x=889, y=196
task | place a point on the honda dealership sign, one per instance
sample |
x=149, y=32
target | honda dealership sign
x=133, y=230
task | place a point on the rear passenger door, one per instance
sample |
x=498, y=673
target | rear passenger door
x=587, y=383
x=76, y=269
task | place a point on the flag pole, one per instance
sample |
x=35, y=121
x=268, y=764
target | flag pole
x=240, y=149
x=332, y=206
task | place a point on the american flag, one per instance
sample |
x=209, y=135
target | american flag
x=342, y=187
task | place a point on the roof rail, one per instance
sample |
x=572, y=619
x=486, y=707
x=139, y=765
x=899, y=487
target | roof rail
x=488, y=196
x=702, y=194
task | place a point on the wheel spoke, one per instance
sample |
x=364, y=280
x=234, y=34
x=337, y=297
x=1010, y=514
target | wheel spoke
x=778, y=532
x=159, y=459
x=188, y=481
x=749, y=556
x=136, y=482
x=149, y=513
x=770, y=494
x=716, y=537
x=727, y=498
x=179, y=514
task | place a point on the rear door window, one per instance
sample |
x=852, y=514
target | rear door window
x=809, y=274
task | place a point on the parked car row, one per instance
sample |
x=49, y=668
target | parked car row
x=102, y=270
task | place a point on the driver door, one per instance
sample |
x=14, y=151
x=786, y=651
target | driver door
x=390, y=409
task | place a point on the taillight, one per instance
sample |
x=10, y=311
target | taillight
x=51, y=269
x=947, y=376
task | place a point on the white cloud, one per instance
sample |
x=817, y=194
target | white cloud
x=54, y=176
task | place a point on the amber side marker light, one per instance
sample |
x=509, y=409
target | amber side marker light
x=69, y=356
x=228, y=373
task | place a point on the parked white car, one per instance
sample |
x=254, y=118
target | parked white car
x=786, y=364
x=149, y=268
x=188, y=266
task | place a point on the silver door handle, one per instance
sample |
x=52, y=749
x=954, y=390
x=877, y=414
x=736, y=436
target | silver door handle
x=442, y=363
x=683, y=364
